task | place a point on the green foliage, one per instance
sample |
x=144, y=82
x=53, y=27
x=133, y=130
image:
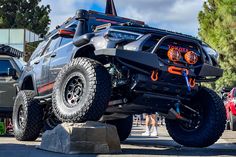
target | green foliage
x=24, y=14
x=218, y=29
x=29, y=49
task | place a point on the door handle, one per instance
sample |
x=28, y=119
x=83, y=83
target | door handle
x=37, y=62
x=53, y=55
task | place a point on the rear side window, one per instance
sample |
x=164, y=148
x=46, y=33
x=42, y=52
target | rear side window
x=234, y=93
x=39, y=50
x=65, y=41
x=52, y=45
x=5, y=65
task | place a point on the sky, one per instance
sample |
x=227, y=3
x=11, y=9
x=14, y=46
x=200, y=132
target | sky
x=174, y=15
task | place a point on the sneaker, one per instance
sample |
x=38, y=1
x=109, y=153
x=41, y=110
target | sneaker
x=154, y=134
x=146, y=134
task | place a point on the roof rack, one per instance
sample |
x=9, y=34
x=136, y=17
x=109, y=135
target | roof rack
x=10, y=51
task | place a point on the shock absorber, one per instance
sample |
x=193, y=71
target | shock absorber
x=177, y=107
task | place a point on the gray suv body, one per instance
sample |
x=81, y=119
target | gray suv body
x=11, y=68
x=103, y=67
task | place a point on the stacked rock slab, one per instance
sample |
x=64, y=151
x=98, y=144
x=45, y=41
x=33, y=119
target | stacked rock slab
x=76, y=138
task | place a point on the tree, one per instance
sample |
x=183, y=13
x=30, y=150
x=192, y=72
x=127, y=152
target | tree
x=218, y=29
x=24, y=14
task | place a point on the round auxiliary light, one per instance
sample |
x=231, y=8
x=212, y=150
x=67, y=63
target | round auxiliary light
x=174, y=55
x=191, y=57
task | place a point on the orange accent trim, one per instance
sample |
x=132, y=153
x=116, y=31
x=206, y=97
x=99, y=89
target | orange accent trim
x=192, y=82
x=65, y=32
x=154, y=75
x=177, y=71
x=45, y=88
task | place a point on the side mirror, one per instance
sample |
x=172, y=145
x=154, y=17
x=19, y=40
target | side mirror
x=12, y=72
x=82, y=40
x=66, y=32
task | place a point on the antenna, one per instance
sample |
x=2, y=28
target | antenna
x=110, y=8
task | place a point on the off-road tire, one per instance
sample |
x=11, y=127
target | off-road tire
x=123, y=126
x=232, y=121
x=33, y=116
x=96, y=91
x=212, y=123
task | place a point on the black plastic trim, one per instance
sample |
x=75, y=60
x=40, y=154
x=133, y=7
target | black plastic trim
x=145, y=58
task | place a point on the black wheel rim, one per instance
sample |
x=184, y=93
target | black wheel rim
x=21, y=116
x=196, y=119
x=74, y=91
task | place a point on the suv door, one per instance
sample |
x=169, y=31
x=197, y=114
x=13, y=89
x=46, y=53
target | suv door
x=42, y=67
x=62, y=56
x=7, y=88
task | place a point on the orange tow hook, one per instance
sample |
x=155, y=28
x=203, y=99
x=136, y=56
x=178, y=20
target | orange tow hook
x=192, y=82
x=154, y=76
x=177, y=71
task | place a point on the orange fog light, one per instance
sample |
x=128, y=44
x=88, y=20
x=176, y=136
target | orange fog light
x=174, y=55
x=191, y=57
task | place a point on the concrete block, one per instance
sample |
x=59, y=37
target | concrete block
x=79, y=138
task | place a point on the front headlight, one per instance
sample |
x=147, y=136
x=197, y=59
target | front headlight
x=122, y=35
x=211, y=52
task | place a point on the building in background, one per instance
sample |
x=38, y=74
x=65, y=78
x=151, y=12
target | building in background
x=20, y=39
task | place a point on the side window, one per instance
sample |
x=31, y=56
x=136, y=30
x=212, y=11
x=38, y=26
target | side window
x=65, y=41
x=52, y=45
x=5, y=65
x=39, y=50
x=234, y=94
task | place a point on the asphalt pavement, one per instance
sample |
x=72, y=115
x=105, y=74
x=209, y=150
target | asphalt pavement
x=135, y=145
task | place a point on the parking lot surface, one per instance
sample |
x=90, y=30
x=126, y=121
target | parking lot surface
x=136, y=145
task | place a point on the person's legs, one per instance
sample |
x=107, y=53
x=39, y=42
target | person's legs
x=139, y=119
x=147, y=126
x=162, y=120
x=154, y=125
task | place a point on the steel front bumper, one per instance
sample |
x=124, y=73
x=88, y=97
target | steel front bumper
x=202, y=73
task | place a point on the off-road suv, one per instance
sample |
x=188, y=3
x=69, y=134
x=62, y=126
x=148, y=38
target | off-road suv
x=11, y=67
x=103, y=67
